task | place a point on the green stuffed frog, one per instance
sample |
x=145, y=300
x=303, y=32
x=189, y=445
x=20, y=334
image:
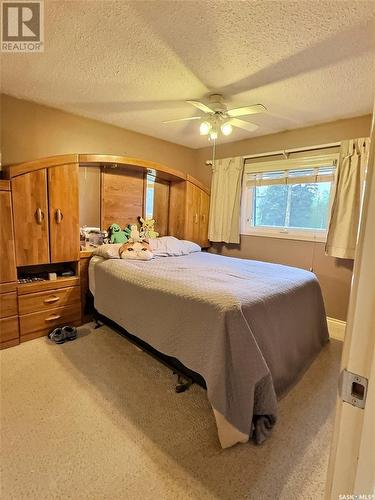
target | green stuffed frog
x=117, y=235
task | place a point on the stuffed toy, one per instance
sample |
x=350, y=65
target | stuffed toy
x=117, y=235
x=147, y=228
x=132, y=232
x=127, y=231
x=136, y=250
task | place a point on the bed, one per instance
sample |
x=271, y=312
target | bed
x=249, y=328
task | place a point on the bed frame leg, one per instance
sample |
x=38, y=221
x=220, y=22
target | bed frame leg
x=183, y=383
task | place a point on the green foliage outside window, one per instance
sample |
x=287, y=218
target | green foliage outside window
x=303, y=206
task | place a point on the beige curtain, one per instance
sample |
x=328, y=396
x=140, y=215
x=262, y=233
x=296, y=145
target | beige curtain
x=343, y=226
x=224, y=222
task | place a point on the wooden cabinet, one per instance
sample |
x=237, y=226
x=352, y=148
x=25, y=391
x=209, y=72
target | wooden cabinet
x=48, y=299
x=38, y=324
x=196, y=215
x=30, y=207
x=9, y=333
x=7, y=255
x=43, y=308
x=8, y=304
x=46, y=212
x=63, y=213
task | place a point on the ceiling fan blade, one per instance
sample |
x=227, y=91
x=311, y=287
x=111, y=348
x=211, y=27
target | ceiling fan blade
x=201, y=106
x=247, y=110
x=242, y=124
x=183, y=119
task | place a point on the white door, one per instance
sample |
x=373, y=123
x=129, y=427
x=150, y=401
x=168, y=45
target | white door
x=351, y=468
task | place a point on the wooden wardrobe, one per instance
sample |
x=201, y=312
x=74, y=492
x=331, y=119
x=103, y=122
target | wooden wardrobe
x=189, y=206
x=40, y=200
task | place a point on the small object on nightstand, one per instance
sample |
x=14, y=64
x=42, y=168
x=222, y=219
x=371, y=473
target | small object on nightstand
x=70, y=272
x=52, y=276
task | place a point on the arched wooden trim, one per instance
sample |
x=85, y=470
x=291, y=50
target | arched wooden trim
x=195, y=181
x=151, y=166
x=102, y=159
x=50, y=161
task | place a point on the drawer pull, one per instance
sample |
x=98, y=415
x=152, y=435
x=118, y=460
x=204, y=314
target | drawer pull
x=53, y=317
x=51, y=299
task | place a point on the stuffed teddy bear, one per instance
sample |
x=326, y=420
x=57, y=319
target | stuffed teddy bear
x=136, y=250
x=147, y=228
x=117, y=235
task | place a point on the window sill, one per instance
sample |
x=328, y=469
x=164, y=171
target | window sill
x=287, y=236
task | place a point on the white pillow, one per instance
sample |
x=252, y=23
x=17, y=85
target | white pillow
x=108, y=251
x=169, y=246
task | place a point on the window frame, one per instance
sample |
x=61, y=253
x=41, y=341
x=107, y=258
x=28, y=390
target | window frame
x=301, y=163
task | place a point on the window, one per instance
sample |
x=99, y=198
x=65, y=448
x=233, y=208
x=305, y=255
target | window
x=288, y=198
x=150, y=193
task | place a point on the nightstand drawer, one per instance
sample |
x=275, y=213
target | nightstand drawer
x=41, y=301
x=8, y=304
x=41, y=323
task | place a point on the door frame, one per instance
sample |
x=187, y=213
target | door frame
x=351, y=469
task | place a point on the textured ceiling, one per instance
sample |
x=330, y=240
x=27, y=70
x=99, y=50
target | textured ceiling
x=133, y=63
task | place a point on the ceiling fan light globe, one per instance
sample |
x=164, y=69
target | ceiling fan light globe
x=226, y=128
x=204, y=128
x=213, y=135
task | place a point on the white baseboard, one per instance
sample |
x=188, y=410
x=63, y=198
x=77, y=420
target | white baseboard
x=336, y=328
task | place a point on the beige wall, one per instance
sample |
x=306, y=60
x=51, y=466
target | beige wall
x=334, y=274
x=289, y=139
x=30, y=131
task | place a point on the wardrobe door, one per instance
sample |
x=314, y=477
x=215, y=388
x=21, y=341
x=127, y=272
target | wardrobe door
x=189, y=212
x=30, y=211
x=7, y=261
x=196, y=214
x=64, y=212
x=192, y=212
x=203, y=218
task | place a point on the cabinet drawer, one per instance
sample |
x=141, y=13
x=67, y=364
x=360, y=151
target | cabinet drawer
x=41, y=323
x=9, y=329
x=41, y=301
x=8, y=304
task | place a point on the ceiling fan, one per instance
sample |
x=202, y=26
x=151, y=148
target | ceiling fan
x=218, y=118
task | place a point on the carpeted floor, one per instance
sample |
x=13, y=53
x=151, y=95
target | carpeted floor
x=98, y=419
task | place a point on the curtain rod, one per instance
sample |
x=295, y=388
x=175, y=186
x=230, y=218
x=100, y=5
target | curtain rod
x=286, y=151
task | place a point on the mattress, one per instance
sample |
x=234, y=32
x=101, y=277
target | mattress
x=249, y=328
